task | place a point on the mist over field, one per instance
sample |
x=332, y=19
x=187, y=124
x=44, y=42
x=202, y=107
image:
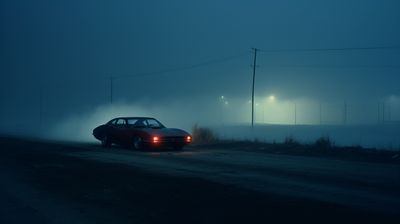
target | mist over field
x=69, y=66
x=274, y=122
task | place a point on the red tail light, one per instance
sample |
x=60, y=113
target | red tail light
x=188, y=139
x=156, y=139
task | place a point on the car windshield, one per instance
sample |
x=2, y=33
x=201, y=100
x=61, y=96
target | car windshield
x=144, y=123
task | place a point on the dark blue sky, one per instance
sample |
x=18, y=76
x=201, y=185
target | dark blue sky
x=72, y=47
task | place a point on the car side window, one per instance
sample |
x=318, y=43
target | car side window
x=121, y=122
x=132, y=121
x=152, y=123
x=113, y=122
x=140, y=124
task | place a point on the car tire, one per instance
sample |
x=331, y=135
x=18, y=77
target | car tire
x=137, y=143
x=105, y=141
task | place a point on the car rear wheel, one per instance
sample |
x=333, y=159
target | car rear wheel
x=137, y=143
x=105, y=141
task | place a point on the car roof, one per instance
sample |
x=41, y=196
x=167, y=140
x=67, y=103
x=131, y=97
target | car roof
x=133, y=118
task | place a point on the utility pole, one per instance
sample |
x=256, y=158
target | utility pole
x=252, y=90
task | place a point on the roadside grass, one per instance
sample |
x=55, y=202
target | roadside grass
x=206, y=138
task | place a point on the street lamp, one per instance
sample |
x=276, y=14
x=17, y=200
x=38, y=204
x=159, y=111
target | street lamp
x=224, y=101
x=271, y=98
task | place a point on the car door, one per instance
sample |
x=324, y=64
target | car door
x=121, y=132
x=111, y=130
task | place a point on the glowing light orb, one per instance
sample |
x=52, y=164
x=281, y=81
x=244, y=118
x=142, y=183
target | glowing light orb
x=271, y=98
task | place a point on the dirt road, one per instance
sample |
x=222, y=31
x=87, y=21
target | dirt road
x=49, y=182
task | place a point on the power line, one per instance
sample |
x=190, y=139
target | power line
x=166, y=71
x=331, y=49
x=255, y=50
x=182, y=68
x=225, y=59
x=337, y=66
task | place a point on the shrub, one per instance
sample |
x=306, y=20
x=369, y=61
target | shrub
x=323, y=143
x=290, y=141
x=203, y=135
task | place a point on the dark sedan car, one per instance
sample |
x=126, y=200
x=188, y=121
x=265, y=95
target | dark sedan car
x=140, y=133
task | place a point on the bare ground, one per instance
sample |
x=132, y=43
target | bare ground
x=48, y=182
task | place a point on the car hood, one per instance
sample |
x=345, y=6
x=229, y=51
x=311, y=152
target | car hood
x=169, y=132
